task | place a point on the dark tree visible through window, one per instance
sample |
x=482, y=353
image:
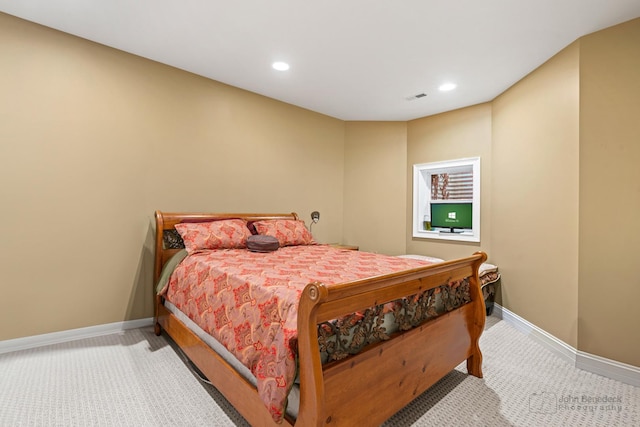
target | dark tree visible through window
x=452, y=186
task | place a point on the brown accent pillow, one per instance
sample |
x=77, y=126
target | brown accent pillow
x=260, y=243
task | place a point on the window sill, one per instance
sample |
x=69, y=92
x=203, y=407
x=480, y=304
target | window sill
x=465, y=236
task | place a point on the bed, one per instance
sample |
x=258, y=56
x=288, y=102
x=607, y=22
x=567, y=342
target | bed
x=380, y=378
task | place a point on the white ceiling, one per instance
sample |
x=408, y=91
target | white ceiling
x=350, y=59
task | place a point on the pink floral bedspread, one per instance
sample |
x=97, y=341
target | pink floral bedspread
x=249, y=302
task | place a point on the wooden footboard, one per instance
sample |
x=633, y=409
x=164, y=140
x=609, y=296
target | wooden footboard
x=387, y=376
x=379, y=381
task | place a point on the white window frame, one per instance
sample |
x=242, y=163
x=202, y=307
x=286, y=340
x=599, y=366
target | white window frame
x=422, y=198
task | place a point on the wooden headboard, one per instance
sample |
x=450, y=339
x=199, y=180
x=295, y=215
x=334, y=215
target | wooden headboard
x=167, y=221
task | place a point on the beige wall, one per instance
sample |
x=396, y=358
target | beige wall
x=608, y=314
x=558, y=139
x=375, y=186
x=448, y=136
x=93, y=140
x=535, y=195
x=573, y=125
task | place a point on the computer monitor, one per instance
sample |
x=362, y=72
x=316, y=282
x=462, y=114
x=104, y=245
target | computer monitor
x=453, y=216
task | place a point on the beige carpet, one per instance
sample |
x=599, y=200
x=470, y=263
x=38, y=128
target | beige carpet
x=137, y=379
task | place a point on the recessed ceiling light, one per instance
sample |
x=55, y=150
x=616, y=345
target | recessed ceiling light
x=445, y=87
x=280, y=66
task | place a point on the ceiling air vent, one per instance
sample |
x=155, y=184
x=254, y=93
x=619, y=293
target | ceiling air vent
x=414, y=97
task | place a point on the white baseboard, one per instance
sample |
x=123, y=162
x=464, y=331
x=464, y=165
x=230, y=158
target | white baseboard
x=8, y=346
x=622, y=372
x=560, y=348
x=619, y=371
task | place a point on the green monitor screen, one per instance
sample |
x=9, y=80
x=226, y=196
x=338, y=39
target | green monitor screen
x=451, y=215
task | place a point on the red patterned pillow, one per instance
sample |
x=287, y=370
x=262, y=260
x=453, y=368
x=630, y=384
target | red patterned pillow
x=222, y=234
x=289, y=232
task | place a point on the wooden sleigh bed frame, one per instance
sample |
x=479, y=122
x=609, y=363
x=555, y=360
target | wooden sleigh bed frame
x=363, y=389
